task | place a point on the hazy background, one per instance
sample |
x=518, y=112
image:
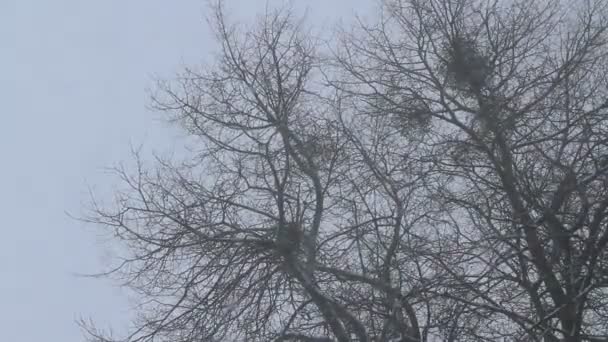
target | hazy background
x=74, y=74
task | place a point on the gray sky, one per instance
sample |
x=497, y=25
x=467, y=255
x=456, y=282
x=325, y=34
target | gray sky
x=74, y=75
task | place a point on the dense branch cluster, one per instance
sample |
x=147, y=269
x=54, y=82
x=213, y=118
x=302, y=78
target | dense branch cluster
x=437, y=174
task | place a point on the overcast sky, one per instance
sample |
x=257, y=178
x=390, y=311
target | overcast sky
x=74, y=75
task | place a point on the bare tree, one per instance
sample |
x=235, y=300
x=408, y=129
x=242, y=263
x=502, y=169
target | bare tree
x=441, y=175
x=512, y=100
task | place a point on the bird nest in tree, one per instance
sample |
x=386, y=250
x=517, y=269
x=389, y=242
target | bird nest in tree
x=320, y=147
x=413, y=116
x=465, y=65
x=289, y=237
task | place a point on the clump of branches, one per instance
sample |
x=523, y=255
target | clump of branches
x=465, y=64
